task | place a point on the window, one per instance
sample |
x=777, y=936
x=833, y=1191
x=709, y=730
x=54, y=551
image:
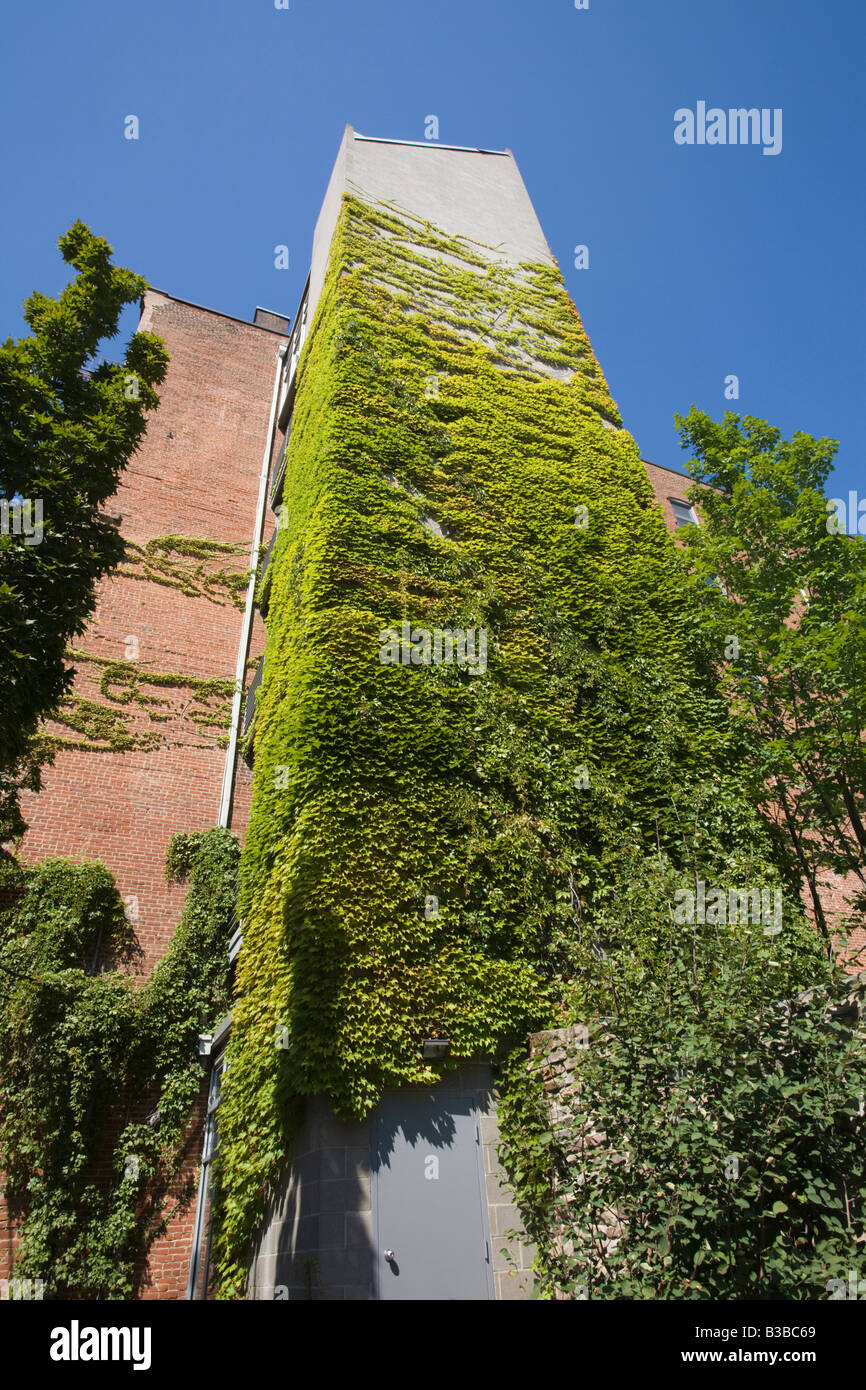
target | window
x=684, y=515
x=279, y=475
x=200, y=1270
x=296, y=342
x=252, y=694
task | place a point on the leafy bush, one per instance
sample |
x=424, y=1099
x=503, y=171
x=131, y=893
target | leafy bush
x=713, y=1145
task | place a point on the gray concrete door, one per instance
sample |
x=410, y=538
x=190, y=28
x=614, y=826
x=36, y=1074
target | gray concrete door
x=429, y=1198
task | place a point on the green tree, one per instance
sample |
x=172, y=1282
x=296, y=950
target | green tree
x=66, y=434
x=783, y=598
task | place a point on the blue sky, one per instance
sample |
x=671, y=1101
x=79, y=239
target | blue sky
x=704, y=261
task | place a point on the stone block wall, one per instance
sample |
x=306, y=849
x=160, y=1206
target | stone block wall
x=555, y=1057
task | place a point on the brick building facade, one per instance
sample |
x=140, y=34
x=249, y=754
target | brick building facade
x=196, y=475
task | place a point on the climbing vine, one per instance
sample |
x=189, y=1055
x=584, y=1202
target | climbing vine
x=428, y=844
x=204, y=705
x=135, y=698
x=181, y=562
x=98, y=1076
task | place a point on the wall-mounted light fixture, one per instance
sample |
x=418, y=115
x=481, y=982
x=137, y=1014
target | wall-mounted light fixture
x=434, y=1049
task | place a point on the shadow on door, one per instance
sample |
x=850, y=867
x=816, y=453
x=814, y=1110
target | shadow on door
x=430, y=1230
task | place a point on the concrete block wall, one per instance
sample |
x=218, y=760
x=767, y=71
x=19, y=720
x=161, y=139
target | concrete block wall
x=472, y=193
x=317, y=1241
x=512, y=1255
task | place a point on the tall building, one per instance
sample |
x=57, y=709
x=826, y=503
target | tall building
x=424, y=462
x=468, y=544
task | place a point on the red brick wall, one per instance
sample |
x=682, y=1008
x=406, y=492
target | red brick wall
x=665, y=485
x=197, y=475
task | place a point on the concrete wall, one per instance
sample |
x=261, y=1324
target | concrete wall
x=477, y=194
x=317, y=1242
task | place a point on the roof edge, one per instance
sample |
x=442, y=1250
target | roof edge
x=206, y=309
x=430, y=144
x=648, y=463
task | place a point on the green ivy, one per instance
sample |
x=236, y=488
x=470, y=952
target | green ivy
x=156, y=561
x=98, y=1075
x=184, y=563
x=108, y=730
x=422, y=395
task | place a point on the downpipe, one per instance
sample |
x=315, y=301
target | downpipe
x=225, y=808
x=243, y=649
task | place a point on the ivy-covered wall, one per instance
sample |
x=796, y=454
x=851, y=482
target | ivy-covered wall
x=429, y=843
x=134, y=700
x=98, y=1078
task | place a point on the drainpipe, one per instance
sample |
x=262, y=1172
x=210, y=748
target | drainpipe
x=243, y=649
x=229, y=779
x=200, y=1205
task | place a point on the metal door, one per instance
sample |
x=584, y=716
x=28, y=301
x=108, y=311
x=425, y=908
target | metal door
x=430, y=1230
